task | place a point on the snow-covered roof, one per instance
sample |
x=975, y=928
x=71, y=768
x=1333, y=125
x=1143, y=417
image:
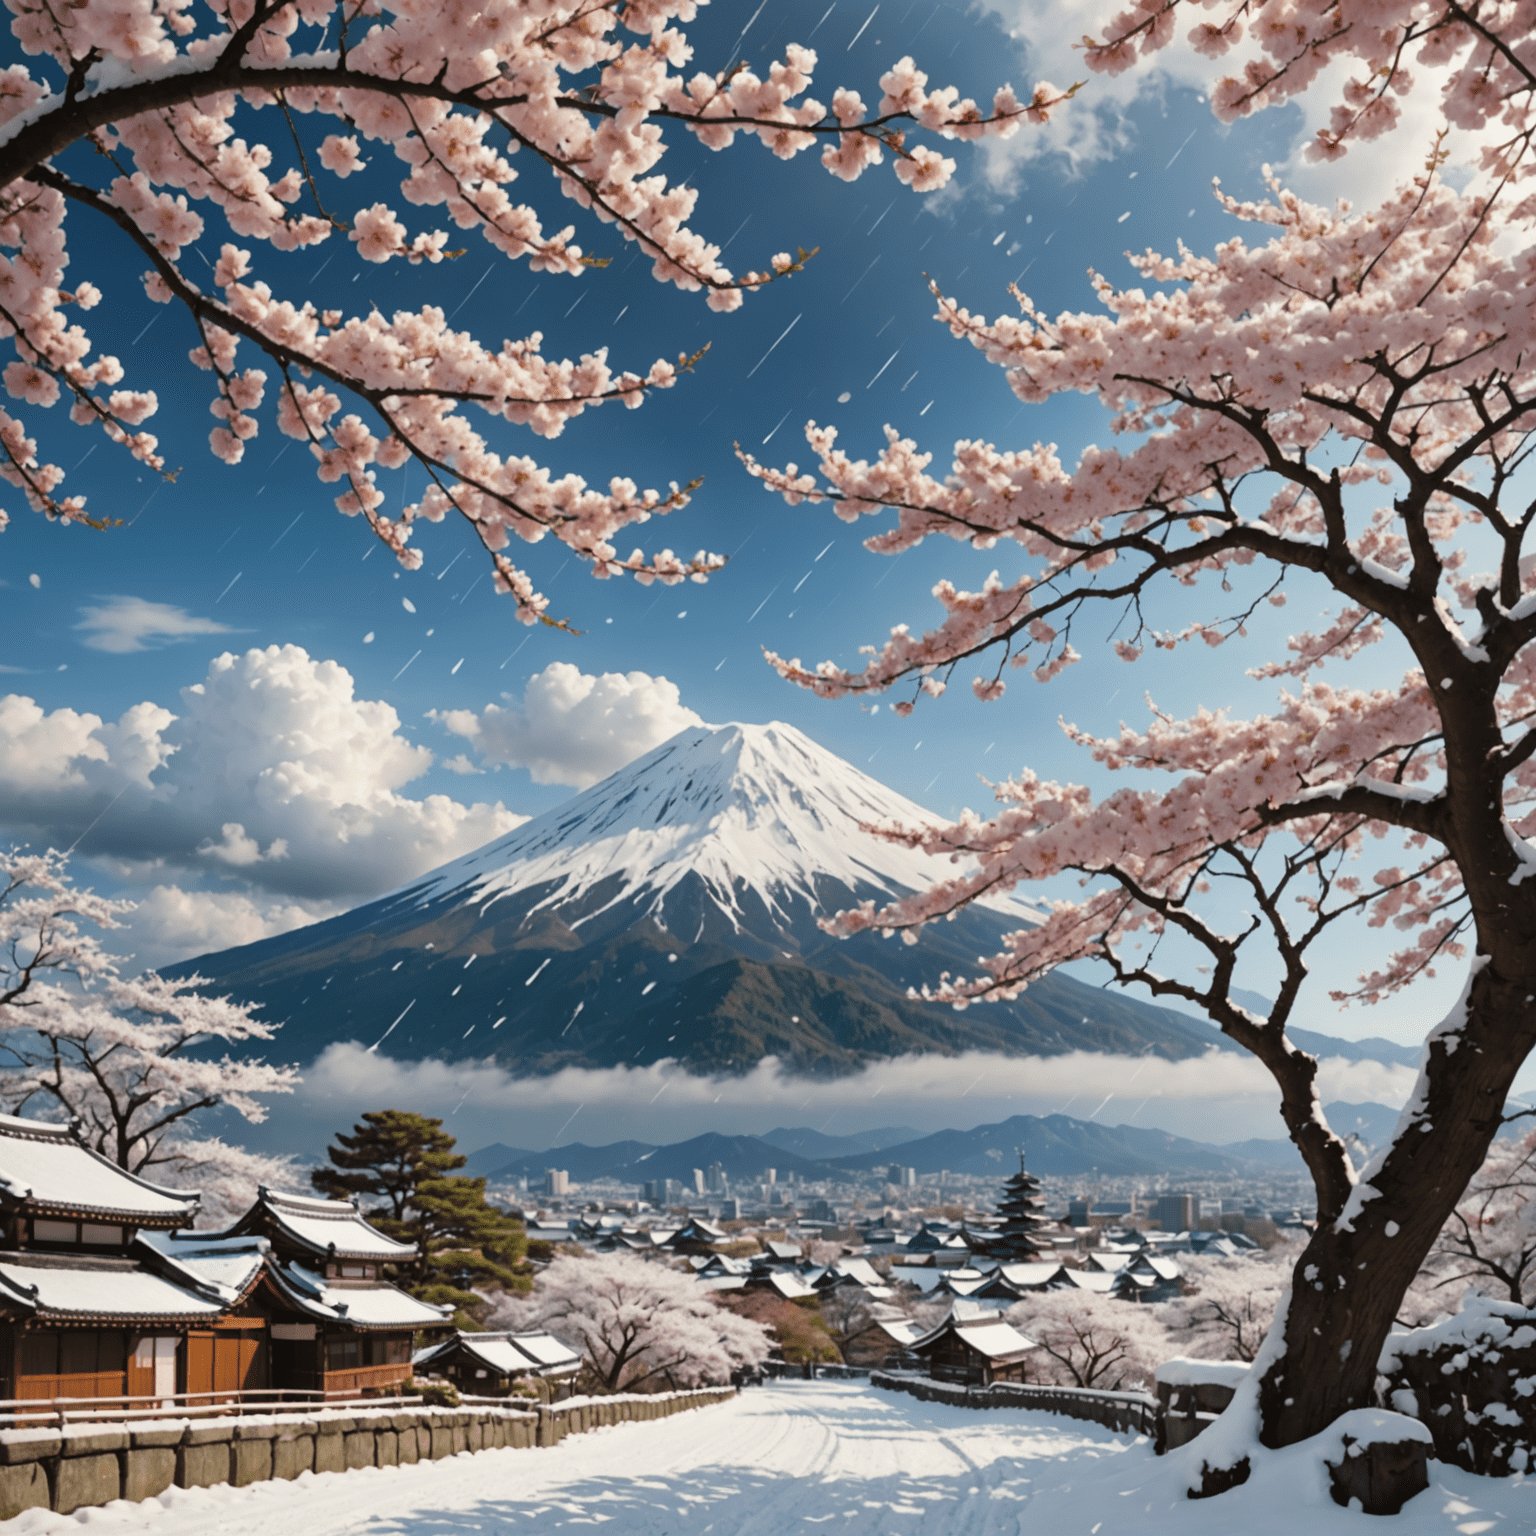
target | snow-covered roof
x=979, y=1328
x=546, y=1349
x=47, y=1169
x=996, y=1340
x=1110, y=1263
x=510, y=1354
x=925, y=1279
x=1161, y=1266
x=1094, y=1280
x=229, y=1264
x=357, y=1303
x=790, y=1287
x=325, y=1229
x=109, y=1289
x=859, y=1269
x=964, y=1283
x=1031, y=1277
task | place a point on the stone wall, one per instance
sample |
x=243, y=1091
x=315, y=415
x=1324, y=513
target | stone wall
x=70, y=1468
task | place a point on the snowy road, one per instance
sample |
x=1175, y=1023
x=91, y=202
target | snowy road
x=832, y=1456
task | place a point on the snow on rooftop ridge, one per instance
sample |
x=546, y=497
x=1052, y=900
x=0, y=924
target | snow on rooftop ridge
x=759, y=804
x=47, y=1165
x=312, y=1205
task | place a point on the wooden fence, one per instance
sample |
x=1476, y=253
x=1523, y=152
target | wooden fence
x=1124, y=1412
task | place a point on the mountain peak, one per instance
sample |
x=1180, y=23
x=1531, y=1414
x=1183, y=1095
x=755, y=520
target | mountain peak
x=760, y=806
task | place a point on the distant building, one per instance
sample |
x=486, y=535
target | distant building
x=1023, y=1215
x=492, y=1364
x=730, y=1210
x=715, y=1180
x=770, y=1176
x=1079, y=1211
x=975, y=1350
x=902, y=1178
x=664, y=1192
x=698, y=1181
x=1177, y=1213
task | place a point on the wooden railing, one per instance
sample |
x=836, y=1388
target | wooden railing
x=1124, y=1412
x=363, y=1378
x=36, y=1412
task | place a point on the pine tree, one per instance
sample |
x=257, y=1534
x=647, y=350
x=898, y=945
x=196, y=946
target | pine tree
x=1020, y=1209
x=464, y=1243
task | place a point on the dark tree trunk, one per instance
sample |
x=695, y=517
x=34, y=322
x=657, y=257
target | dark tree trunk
x=1354, y=1272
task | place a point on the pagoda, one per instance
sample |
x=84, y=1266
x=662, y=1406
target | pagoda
x=1020, y=1209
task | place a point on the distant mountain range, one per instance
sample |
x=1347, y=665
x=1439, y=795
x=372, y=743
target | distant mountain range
x=670, y=912
x=1056, y=1146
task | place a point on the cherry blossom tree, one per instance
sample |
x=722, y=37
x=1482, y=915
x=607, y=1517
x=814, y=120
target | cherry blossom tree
x=233, y=123
x=1229, y=1303
x=1089, y=1340
x=641, y=1327
x=1341, y=408
x=130, y=1059
x=1490, y=1238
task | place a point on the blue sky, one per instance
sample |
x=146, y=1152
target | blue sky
x=256, y=556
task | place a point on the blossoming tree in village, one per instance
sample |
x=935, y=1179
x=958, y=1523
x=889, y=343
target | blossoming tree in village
x=237, y=122
x=130, y=1059
x=1342, y=409
x=641, y=1327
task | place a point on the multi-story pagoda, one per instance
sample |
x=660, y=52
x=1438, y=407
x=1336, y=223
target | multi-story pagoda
x=1020, y=1208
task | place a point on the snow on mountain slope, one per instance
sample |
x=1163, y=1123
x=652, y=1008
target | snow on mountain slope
x=762, y=805
x=671, y=913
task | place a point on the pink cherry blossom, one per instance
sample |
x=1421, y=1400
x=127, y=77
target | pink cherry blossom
x=1343, y=401
x=449, y=94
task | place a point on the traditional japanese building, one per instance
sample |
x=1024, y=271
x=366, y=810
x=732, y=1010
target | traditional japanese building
x=336, y=1326
x=1022, y=1215
x=497, y=1364
x=107, y=1292
x=85, y=1311
x=974, y=1348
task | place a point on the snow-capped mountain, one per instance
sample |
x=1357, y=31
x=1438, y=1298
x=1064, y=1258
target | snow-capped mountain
x=759, y=816
x=671, y=912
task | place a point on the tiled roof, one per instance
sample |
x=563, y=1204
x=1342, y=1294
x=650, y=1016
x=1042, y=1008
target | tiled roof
x=48, y=1171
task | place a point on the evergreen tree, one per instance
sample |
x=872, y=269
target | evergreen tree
x=464, y=1244
x=1020, y=1209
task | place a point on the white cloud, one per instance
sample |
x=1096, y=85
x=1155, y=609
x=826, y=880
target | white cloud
x=124, y=624
x=273, y=768
x=1223, y=1096
x=574, y=728
x=237, y=849
x=172, y=923
x=1095, y=127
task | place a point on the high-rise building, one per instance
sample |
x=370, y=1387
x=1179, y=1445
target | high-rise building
x=715, y=1179
x=1177, y=1213
x=698, y=1181
x=770, y=1176
x=902, y=1178
x=557, y=1181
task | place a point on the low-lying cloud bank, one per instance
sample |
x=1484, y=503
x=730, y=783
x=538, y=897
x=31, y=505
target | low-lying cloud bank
x=1220, y=1097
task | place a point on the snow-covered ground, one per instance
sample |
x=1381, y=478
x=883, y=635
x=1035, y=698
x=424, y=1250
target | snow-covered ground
x=839, y=1456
